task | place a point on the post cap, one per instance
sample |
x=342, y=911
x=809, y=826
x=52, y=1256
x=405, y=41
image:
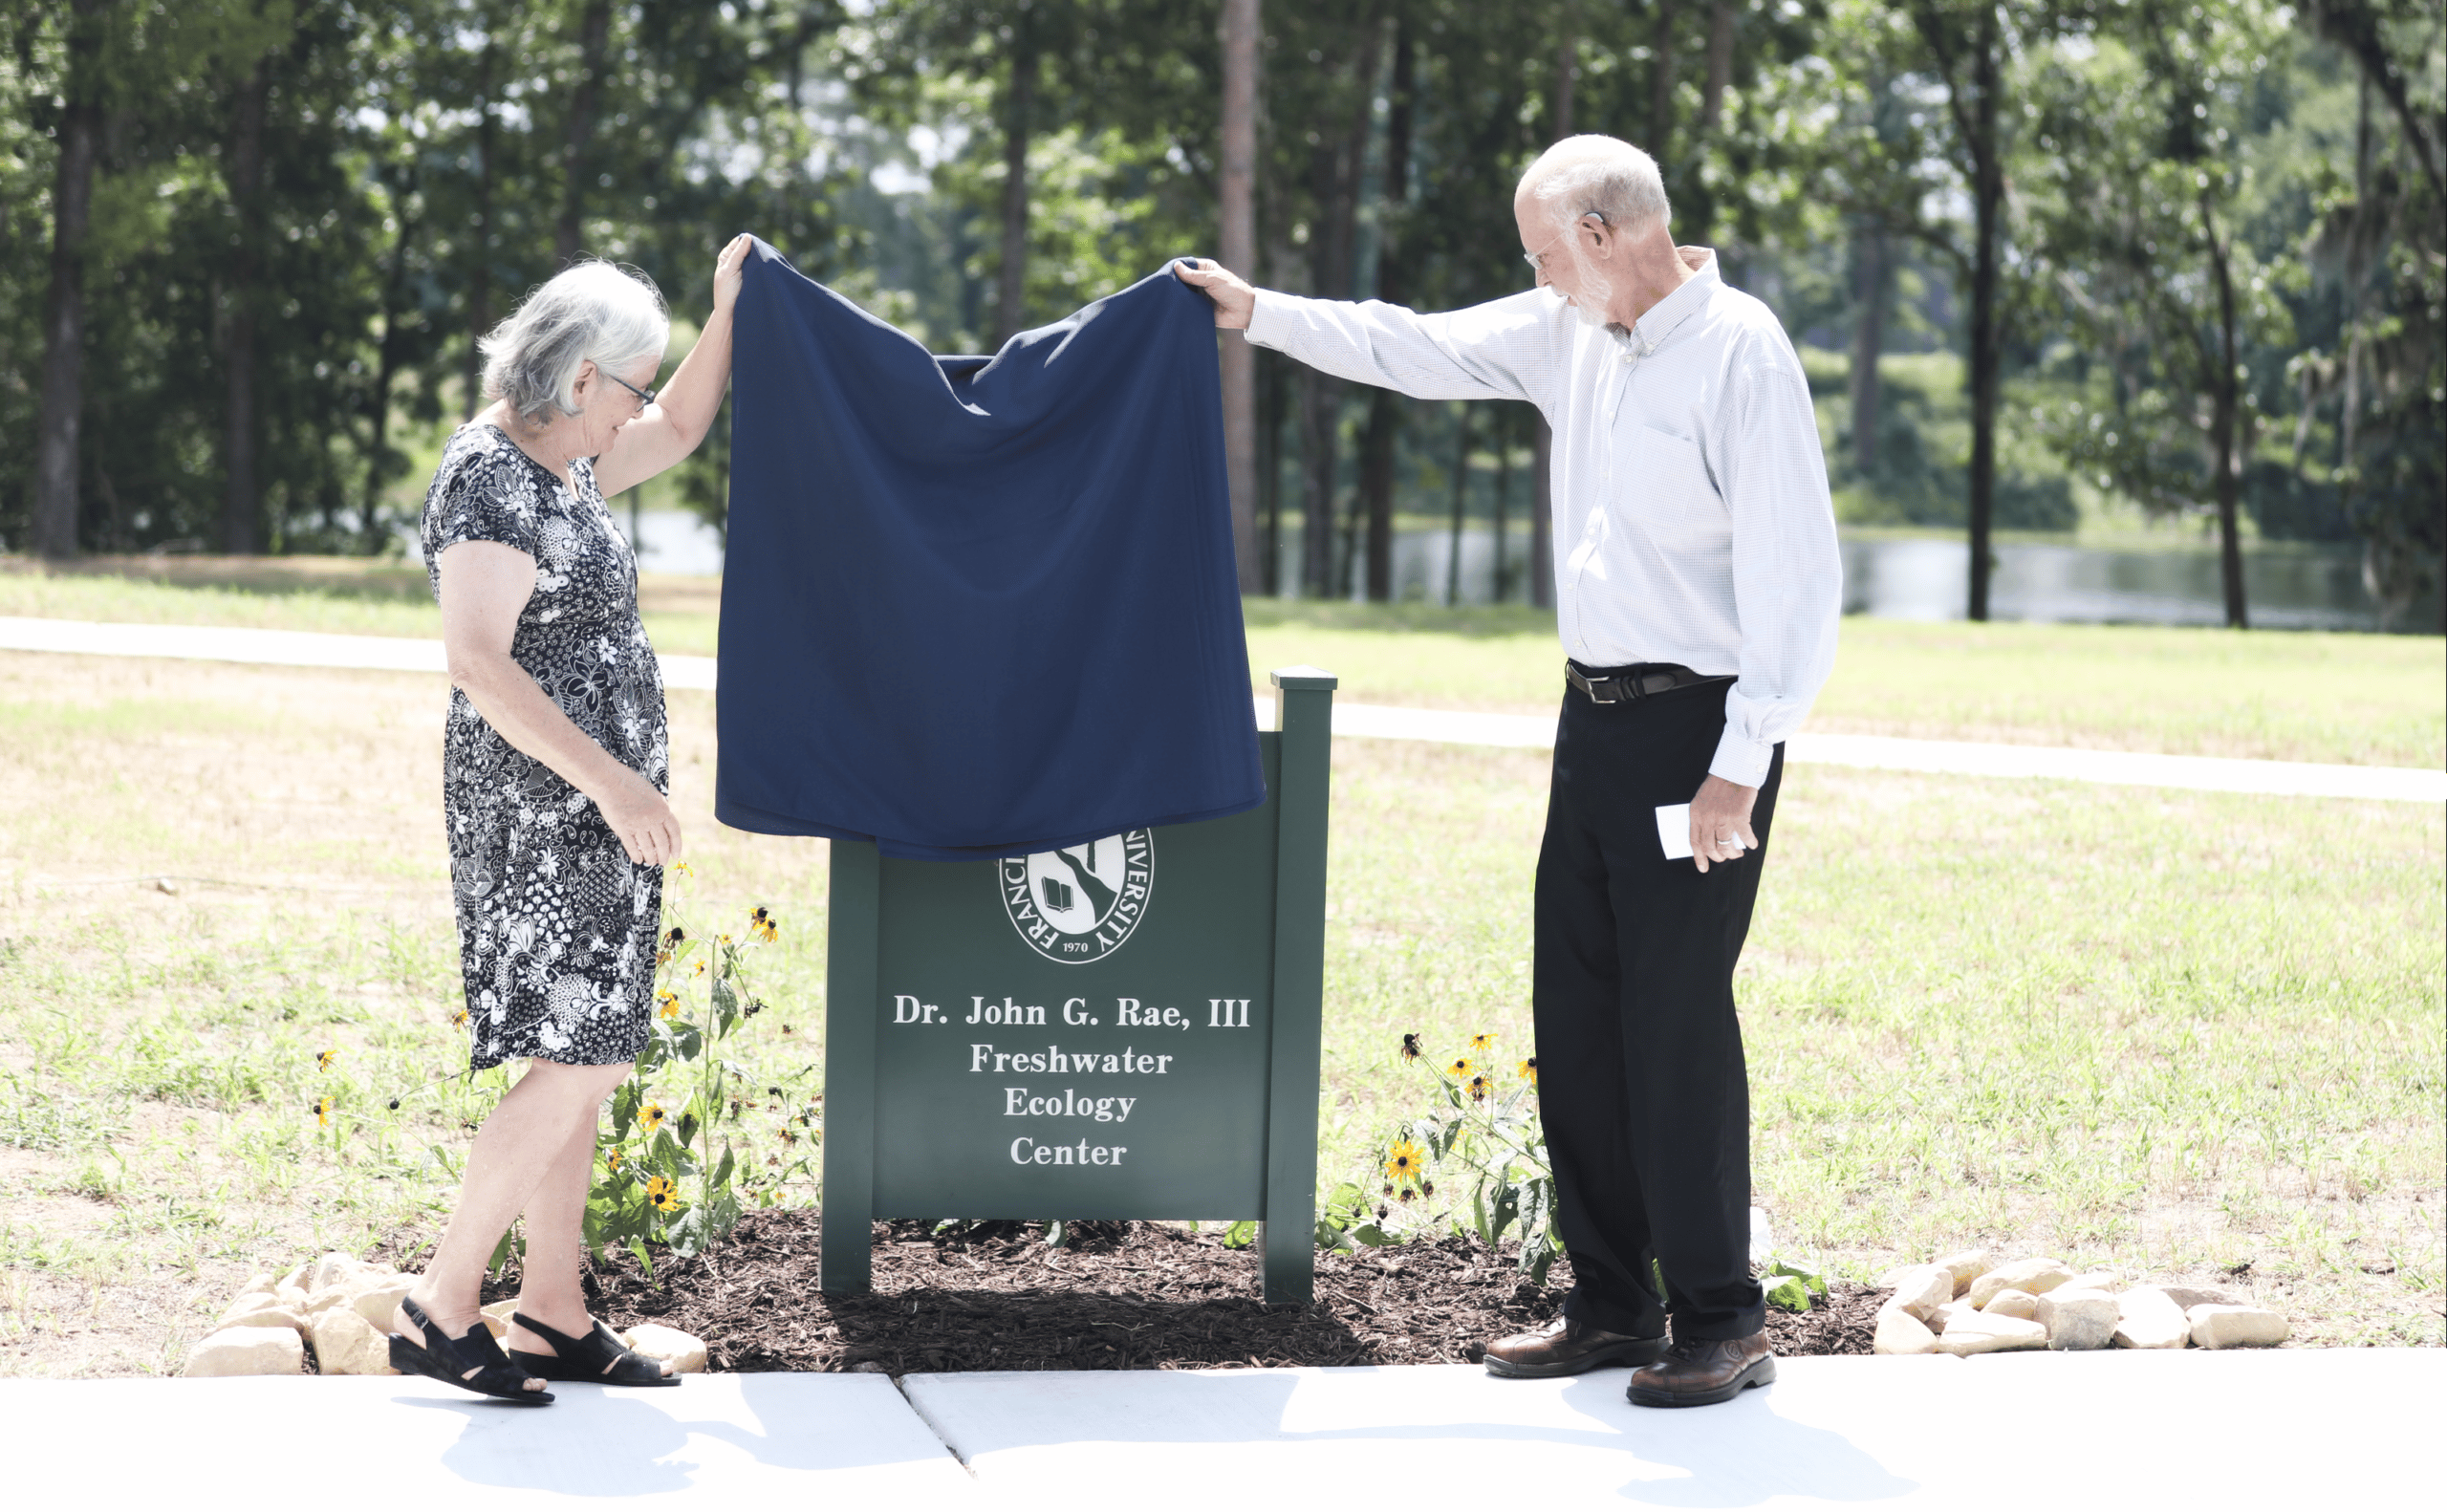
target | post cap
x=1303, y=679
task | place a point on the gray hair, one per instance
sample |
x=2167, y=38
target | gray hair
x=1603, y=174
x=594, y=312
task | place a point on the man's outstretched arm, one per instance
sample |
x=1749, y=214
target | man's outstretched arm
x=1507, y=349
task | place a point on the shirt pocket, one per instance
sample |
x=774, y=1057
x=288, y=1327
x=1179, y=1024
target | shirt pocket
x=1666, y=486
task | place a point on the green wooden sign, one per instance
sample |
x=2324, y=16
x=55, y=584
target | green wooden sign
x=1125, y=1029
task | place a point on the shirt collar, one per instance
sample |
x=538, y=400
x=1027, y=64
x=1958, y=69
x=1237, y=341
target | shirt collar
x=1678, y=306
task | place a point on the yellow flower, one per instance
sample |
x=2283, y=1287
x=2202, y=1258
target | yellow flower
x=699, y=968
x=612, y=1162
x=1410, y=1047
x=723, y=938
x=1480, y=1086
x=323, y=1106
x=668, y=1003
x=1482, y=1043
x=1530, y=1071
x=663, y=1193
x=1460, y=1068
x=761, y=926
x=1402, y=1160
x=458, y=1018
x=683, y=868
x=650, y=1117
x=323, y=1061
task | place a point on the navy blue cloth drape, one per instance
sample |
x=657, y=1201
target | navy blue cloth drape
x=979, y=606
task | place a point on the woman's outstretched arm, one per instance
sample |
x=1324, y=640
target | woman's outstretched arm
x=683, y=409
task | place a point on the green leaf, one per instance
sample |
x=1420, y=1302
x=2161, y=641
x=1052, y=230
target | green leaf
x=1241, y=1234
x=1372, y=1234
x=1789, y=1294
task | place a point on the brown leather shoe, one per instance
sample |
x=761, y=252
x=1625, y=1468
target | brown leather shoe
x=1700, y=1372
x=1566, y=1348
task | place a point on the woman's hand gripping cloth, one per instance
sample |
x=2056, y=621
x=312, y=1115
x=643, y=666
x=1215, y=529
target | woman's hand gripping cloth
x=979, y=606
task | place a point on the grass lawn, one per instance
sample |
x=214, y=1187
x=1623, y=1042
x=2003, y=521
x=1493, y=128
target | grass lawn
x=2177, y=1033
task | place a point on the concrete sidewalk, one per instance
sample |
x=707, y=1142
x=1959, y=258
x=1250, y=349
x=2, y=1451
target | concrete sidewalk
x=2244, y=1429
x=300, y=648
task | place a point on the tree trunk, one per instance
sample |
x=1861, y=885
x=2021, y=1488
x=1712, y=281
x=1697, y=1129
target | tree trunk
x=1660, y=80
x=1238, y=249
x=1335, y=174
x=1460, y=502
x=1385, y=407
x=387, y=367
x=1871, y=285
x=1988, y=192
x=594, y=34
x=1504, y=427
x=1274, y=397
x=1720, y=20
x=479, y=278
x=1010, y=293
x=241, y=497
x=2226, y=414
x=53, y=522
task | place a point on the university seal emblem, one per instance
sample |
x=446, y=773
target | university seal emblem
x=1081, y=903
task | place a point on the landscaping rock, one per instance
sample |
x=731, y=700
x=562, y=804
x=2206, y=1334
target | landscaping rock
x=296, y=1280
x=2096, y=1281
x=2220, y=1326
x=1954, y=1314
x=337, y=1270
x=2011, y=1303
x=497, y=1316
x=267, y=1316
x=263, y=1281
x=248, y=1351
x=323, y=1301
x=2077, y=1318
x=347, y=1345
x=684, y=1352
x=2190, y=1297
x=246, y=1302
x=1987, y=1333
x=376, y=1304
x=2034, y=1276
x=1922, y=1289
x=1967, y=1265
x=2146, y=1318
x=1899, y=1332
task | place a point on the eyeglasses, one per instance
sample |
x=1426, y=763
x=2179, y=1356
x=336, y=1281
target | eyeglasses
x=645, y=396
x=1537, y=259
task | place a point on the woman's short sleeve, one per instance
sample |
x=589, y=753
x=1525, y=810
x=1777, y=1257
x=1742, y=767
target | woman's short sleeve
x=491, y=494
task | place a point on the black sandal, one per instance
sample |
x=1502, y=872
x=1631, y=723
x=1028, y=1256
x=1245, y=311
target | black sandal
x=600, y=1357
x=472, y=1362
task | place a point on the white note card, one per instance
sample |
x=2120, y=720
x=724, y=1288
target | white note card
x=1673, y=831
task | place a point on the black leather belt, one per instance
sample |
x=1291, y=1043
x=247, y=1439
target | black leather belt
x=1632, y=684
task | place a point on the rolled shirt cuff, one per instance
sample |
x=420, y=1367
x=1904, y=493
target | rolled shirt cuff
x=1741, y=760
x=1265, y=316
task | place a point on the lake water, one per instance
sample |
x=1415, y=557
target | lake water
x=1893, y=579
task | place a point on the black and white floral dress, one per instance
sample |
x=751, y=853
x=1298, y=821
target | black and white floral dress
x=556, y=925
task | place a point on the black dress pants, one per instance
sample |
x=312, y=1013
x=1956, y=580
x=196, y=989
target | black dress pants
x=1641, y=1082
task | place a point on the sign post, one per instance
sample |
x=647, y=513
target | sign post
x=1122, y=1030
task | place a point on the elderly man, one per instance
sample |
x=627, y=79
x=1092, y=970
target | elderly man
x=1696, y=590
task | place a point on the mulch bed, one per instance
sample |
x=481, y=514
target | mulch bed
x=1116, y=1296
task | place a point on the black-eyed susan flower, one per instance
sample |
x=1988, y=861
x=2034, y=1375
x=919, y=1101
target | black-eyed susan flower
x=1482, y=1043
x=1460, y=1068
x=323, y=1106
x=761, y=926
x=1404, y=1160
x=1408, y=1194
x=662, y=1191
x=1410, y=1047
x=700, y=969
x=667, y=1003
x=1426, y=1188
x=459, y=1018
x=683, y=868
x=323, y=1059
x=650, y=1117
x=722, y=939
x=755, y=1006
x=1479, y=1086
x=612, y=1162
x=1530, y=1071
x=672, y=937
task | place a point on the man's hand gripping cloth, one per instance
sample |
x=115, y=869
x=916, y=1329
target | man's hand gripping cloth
x=979, y=606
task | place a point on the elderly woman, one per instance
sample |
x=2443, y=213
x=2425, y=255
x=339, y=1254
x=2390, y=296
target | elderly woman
x=554, y=767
